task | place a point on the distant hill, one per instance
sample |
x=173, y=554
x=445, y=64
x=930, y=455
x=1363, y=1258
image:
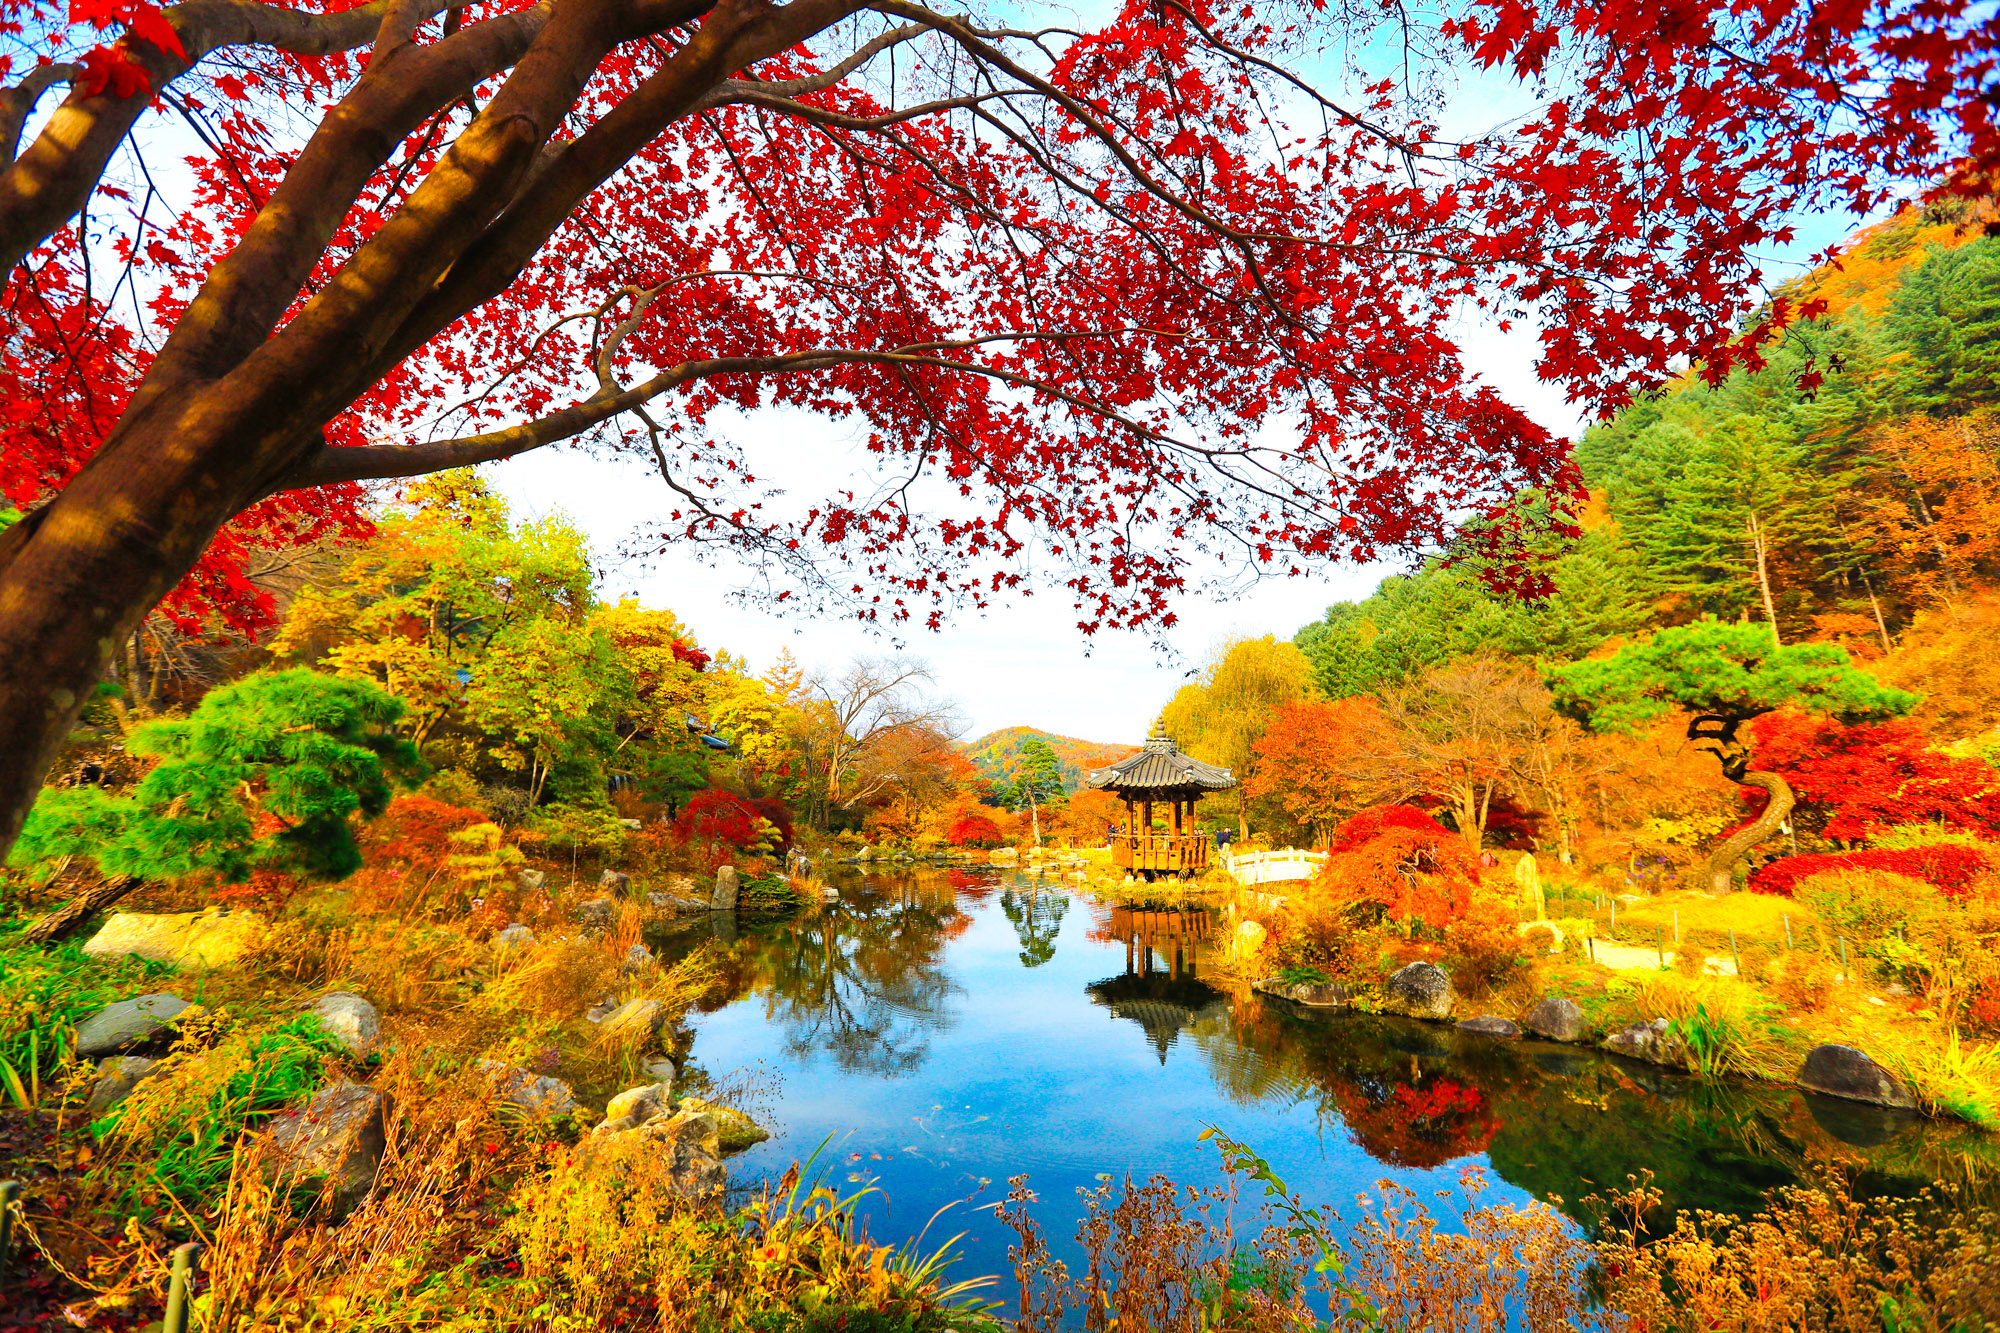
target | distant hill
x=997, y=755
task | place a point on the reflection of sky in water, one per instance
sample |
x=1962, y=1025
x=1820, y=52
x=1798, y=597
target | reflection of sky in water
x=938, y=1062
x=1022, y=1073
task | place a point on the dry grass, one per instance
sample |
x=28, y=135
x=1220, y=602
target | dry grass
x=1170, y=1258
x=1817, y=1258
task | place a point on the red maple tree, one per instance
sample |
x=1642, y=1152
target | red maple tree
x=1063, y=278
x=1851, y=782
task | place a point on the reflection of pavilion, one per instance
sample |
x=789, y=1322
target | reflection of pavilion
x=1164, y=1006
x=1163, y=998
x=1172, y=934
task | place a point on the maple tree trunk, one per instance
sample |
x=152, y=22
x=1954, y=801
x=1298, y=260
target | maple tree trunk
x=1722, y=862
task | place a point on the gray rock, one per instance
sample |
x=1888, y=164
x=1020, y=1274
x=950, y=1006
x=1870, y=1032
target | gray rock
x=1327, y=995
x=1489, y=1025
x=674, y=904
x=117, y=1076
x=1654, y=1042
x=735, y=1130
x=350, y=1019
x=529, y=1094
x=1842, y=1071
x=1557, y=1019
x=616, y=883
x=637, y=959
x=516, y=936
x=119, y=1027
x=532, y=881
x=634, y=1014
x=681, y=1151
x=1421, y=990
x=595, y=913
x=333, y=1142
x=634, y=1107
x=724, y=898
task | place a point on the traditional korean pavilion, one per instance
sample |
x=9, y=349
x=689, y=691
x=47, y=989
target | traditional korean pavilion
x=1161, y=776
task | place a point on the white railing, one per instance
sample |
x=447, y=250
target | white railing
x=1271, y=867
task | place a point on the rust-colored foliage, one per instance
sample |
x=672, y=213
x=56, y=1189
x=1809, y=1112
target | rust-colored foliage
x=1400, y=859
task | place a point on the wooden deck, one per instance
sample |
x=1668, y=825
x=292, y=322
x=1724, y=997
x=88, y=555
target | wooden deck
x=1162, y=853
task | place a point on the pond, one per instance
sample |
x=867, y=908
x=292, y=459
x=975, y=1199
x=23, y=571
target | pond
x=942, y=1031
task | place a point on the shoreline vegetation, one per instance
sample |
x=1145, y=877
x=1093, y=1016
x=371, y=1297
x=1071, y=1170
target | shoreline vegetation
x=487, y=1208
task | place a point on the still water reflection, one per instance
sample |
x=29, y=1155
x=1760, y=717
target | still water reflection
x=942, y=1031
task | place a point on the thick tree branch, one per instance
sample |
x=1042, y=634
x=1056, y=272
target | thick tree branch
x=43, y=188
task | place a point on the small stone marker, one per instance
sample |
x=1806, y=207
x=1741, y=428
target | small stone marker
x=1528, y=876
x=724, y=899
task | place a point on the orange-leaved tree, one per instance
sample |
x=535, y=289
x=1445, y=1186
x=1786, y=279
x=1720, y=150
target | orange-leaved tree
x=1312, y=762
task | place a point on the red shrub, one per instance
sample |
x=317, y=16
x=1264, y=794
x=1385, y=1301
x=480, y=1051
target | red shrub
x=1373, y=822
x=721, y=819
x=974, y=831
x=1405, y=861
x=1852, y=782
x=1950, y=867
x=416, y=830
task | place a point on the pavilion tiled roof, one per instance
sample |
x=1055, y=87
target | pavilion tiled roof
x=1159, y=767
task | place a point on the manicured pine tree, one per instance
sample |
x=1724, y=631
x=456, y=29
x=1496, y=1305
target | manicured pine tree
x=266, y=774
x=1721, y=676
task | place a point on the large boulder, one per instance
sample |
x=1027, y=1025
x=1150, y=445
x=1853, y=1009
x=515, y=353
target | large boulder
x=350, y=1020
x=735, y=1131
x=726, y=888
x=334, y=1142
x=1655, y=1042
x=528, y=1094
x=1489, y=1025
x=1557, y=1019
x=674, y=904
x=1842, y=1071
x=1421, y=990
x=185, y=939
x=128, y=1024
x=1323, y=995
x=595, y=913
x=616, y=883
x=117, y=1077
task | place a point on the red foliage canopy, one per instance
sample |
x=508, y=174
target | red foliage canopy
x=974, y=831
x=1950, y=867
x=1076, y=289
x=1372, y=823
x=1853, y=781
x=716, y=818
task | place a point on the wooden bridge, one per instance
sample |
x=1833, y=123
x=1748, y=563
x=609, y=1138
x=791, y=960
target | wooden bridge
x=1272, y=867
